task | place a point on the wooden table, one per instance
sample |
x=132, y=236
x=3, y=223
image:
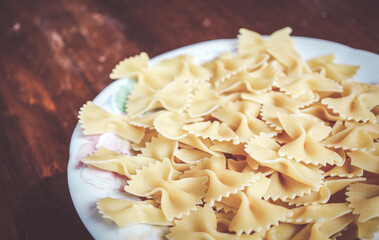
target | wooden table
x=56, y=55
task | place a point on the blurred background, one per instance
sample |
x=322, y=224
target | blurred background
x=56, y=55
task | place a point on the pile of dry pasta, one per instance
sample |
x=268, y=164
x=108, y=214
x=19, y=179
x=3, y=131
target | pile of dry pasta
x=258, y=144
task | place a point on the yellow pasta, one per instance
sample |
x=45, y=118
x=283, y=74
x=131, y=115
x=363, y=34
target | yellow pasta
x=221, y=181
x=259, y=78
x=337, y=72
x=114, y=162
x=120, y=210
x=330, y=186
x=182, y=67
x=228, y=65
x=95, y=120
x=143, y=98
x=177, y=197
x=355, y=102
x=212, y=130
x=257, y=144
x=206, y=100
x=306, y=133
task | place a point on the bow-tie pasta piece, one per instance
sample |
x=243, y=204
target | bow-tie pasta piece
x=355, y=102
x=284, y=187
x=367, y=160
x=264, y=150
x=321, y=111
x=318, y=213
x=249, y=216
x=177, y=197
x=173, y=97
x=290, y=59
x=191, y=156
x=248, y=205
x=364, y=199
x=279, y=45
x=307, y=84
x=229, y=147
x=328, y=229
x=137, y=67
x=249, y=109
x=199, y=143
x=202, y=224
x=212, y=130
x=277, y=102
x=353, y=136
x=331, y=186
x=221, y=181
x=145, y=121
x=258, y=78
x=121, y=210
x=239, y=156
x=242, y=117
x=368, y=229
x=227, y=65
x=159, y=148
x=156, y=77
x=95, y=120
x=256, y=189
x=249, y=41
x=335, y=71
x=183, y=68
x=346, y=170
x=149, y=134
x=206, y=100
x=112, y=161
x=170, y=124
x=130, y=67
x=283, y=231
x=237, y=165
x=306, y=133
x=180, y=167
x=252, y=42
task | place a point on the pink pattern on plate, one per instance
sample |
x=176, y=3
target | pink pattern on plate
x=115, y=143
x=102, y=179
x=86, y=149
x=96, y=177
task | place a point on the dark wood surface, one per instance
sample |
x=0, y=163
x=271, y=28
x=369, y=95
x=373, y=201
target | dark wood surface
x=56, y=55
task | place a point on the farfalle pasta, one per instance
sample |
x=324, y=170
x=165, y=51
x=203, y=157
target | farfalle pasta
x=176, y=197
x=355, y=102
x=306, y=133
x=277, y=102
x=183, y=67
x=143, y=98
x=242, y=117
x=326, y=66
x=119, y=210
x=221, y=181
x=95, y=120
x=254, y=144
x=205, y=100
x=250, y=80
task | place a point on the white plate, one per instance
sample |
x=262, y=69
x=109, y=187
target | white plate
x=87, y=185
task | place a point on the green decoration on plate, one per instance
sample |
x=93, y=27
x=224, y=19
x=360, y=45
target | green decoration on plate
x=122, y=94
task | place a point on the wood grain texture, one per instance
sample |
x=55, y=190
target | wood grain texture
x=56, y=55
